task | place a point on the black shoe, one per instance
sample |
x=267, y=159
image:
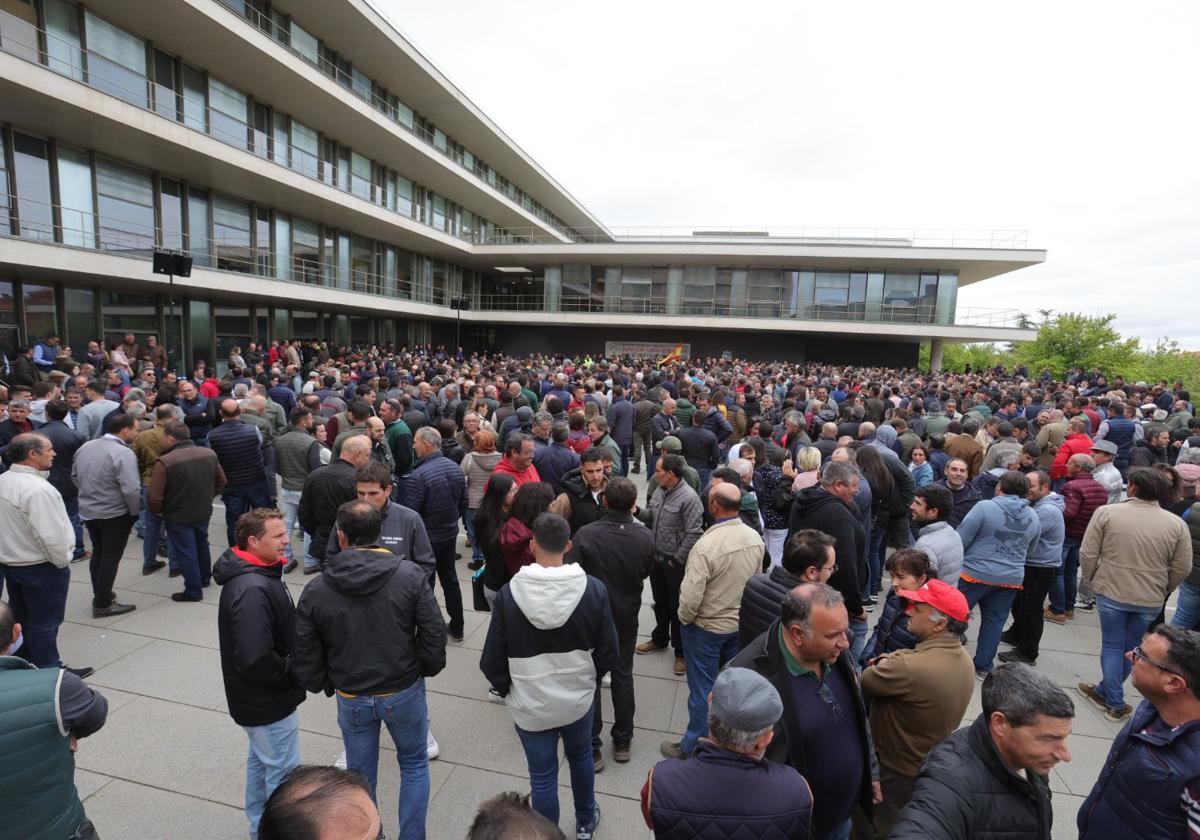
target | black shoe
x=290, y=567
x=206, y=584
x=634, y=470
x=179, y=596
x=1086, y=606
x=174, y=573
x=82, y=673
x=457, y=556
x=1015, y=655
x=473, y=566
x=163, y=550
x=1007, y=637
x=311, y=570
x=870, y=601
x=154, y=567
x=112, y=609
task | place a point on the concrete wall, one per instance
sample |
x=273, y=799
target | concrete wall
x=759, y=345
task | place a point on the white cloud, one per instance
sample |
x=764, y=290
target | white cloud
x=1073, y=120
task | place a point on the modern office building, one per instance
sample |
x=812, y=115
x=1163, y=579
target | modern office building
x=329, y=182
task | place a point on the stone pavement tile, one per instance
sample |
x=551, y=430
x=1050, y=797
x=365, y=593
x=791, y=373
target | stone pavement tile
x=1091, y=721
x=453, y=808
x=87, y=782
x=1071, y=637
x=166, y=745
x=625, y=780
x=679, y=711
x=659, y=665
x=1066, y=808
x=1057, y=785
x=461, y=676
x=124, y=809
x=1087, y=757
x=475, y=733
x=116, y=699
x=169, y=671
x=475, y=639
x=314, y=749
x=189, y=624
x=620, y=817
x=654, y=699
x=160, y=583
x=84, y=644
x=79, y=602
x=318, y=714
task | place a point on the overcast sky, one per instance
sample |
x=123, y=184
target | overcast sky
x=1074, y=121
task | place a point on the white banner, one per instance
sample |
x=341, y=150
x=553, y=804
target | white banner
x=644, y=349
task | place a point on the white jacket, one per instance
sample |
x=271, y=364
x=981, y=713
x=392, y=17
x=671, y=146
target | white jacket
x=34, y=527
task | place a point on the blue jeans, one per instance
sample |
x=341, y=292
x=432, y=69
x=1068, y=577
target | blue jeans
x=152, y=532
x=626, y=456
x=858, y=638
x=1187, y=609
x=289, y=505
x=1066, y=585
x=406, y=717
x=995, y=603
x=541, y=754
x=72, y=506
x=705, y=654
x=469, y=524
x=274, y=751
x=187, y=544
x=242, y=498
x=37, y=595
x=1121, y=629
x=875, y=561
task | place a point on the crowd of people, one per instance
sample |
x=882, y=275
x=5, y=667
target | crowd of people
x=772, y=508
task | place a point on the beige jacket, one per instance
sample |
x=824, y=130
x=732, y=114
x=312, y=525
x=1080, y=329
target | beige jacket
x=718, y=566
x=1136, y=553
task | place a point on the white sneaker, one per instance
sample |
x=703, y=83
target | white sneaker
x=431, y=745
x=607, y=681
x=494, y=695
x=341, y=761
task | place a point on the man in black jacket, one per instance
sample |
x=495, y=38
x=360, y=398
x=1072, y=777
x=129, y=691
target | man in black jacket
x=830, y=507
x=256, y=627
x=808, y=557
x=824, y=732
x=700, y=449
x=66, y=441
x=369, y=630
x=989, y=779
x=618, y=551
x=327, y=489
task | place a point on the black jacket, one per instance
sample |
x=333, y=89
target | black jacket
x=617, y=550
x=437, y=490
x=368, y=625
x=662, y=425
x=401, y=532
x=584, y=508
x=965, y=790
x=325, y=490
x=700, y=447
x=554, y=462
x=66, y=440
x=1142, y=454
x=817, y=508
x=761, y=599
x=256, y=627
x=763, y=655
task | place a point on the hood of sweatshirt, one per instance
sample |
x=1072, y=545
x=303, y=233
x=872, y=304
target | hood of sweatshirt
x=887, y=434
x=813, y=499
x=1050, y=500
x=487, y=460
x=360, y=571
x=548, y=596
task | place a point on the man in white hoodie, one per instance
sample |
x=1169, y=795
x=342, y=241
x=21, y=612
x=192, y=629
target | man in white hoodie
x=550, y=641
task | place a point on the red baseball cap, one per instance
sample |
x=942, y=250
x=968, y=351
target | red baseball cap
x=942, y=597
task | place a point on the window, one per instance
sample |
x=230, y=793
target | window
x=764, y=289
x=360, y=170
x=195, y=99
x=698, y=284
x=360, y=83
x=31, y=159
x=18, y=29
x=722, y=290
x=75, y=198
x=929, y=292
x=116, y=61
x=831, y=288
x=283, y=247
x=231, y=234
x=306, y=150
x=900, y=289
x=306, y=325
x=5, y=204
x=403, y=190
x=362, y=259
x=262, y=242
x=280, y=142
x=200, y=318
x=41, y=317
x=126, y=200
x=576, y=287
x=306, y=253
x=170, y=199
x=63, y=53
x=343, y=168
x=80, y=317
x=635, y=289
x=404, y=263
x=198, y=228
x=137, y=314
x=227, y=113
x=164, y=84
x=305, y=44
x=658, y=289
x=262, y=130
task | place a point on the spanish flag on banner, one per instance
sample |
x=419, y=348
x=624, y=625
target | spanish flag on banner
x=675, y=355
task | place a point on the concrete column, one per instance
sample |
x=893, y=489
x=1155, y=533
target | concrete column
x=935, y=355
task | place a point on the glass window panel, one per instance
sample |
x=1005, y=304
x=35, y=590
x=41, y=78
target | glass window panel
x=195, y=99
x=5, y=207
x=722, y=290
x=231, y=234
x=31, y=158
x=329, y=255
x=305, y=44
x=41, y=317
x=164, y=84
x=404, y=262
x=75, y=197
x=262, y=242
x=116, y=61
x=929, y=289
x=404, y=196
x=170, y=199
x=831, y=288
x=698, y=284
x=658, y=289
x=80, y=318
x=227, y=113
x=635, y=289
x=306, y=150
x=305, y=325
x=360, y=83
x=126, y=199
x=283, y=247
x=18, y=29
x=900, y=289
x=63, y=54
x=262, y=129
x=360, y=170
x=306, y=254
x=200, y=331
x=137, y=314
x=404, y=115
x=280, y=142
x=439, y=140
x=9, y=333
x=198, y=228
x=343, y=261
x=362, y=258
x=281, y=325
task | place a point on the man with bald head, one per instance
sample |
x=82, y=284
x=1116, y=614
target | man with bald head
x=718, y=566
x=323, y=802
x=239, y=449
x=325, y=490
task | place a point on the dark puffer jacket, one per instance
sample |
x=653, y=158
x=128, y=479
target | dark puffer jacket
x=760, y=602
x=437, y=490
x=965, y=790
x=891, y=631
x=585, y=509
x=817, y=508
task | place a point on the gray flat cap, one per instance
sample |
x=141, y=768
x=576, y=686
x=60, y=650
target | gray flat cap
x=745, y=700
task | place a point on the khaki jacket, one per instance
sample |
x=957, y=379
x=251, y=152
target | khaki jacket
x=918, y=697
x=148, y=445
x=718, y=566
x=1135, y=552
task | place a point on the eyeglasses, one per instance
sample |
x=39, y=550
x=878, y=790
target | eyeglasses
x=1137, y=653
x=826, y=694
x=831, y=569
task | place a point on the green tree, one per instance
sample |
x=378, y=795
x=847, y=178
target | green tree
x=1072, y=340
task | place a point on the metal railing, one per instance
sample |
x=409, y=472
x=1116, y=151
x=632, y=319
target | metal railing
x=815, y=235
x=465, y=160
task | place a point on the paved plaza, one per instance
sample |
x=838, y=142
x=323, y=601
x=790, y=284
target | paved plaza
x=170, y=762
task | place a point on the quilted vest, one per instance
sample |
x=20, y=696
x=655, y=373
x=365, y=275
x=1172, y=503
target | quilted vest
x=38, y=799
x=1120, y=432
